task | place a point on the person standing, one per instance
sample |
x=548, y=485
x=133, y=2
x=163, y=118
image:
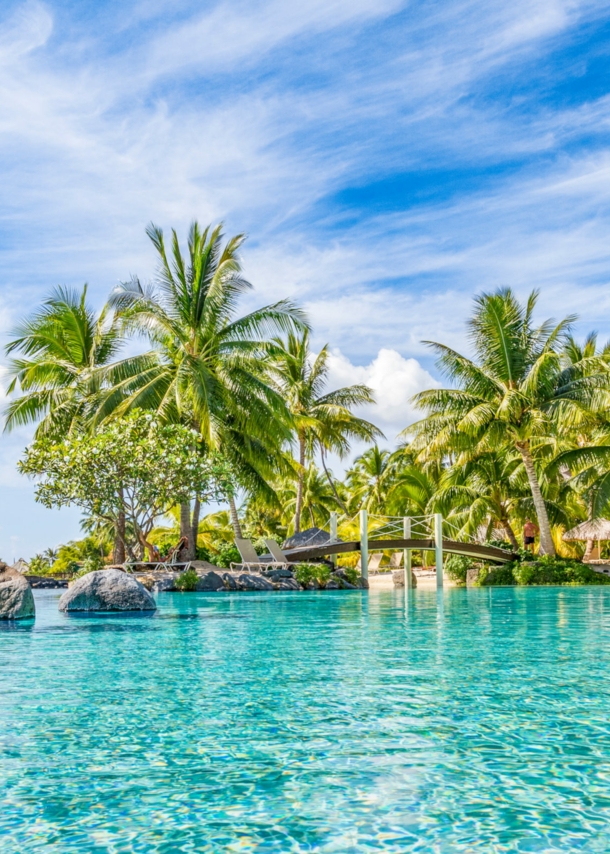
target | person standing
x=529, y=535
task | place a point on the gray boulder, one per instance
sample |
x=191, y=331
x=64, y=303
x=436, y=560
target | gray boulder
x=209, y=581
x=107, y=590
x=287, y=584
x=332, y=584
x=249, y=581
x=16, y=597
x=279, y=574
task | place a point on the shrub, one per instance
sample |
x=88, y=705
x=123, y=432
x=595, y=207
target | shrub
x=187, y=581
x=456, y=567
x=306, y=572
x=498, y=576
x=553, y=570
x=352, y=575
x=227, y=553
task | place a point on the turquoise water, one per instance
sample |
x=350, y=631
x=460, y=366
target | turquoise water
x=477, y=720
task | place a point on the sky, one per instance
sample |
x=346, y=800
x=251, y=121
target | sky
x=388, y=160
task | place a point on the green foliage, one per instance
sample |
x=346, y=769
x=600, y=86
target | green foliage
x=456, y=567
x=352, y=575
x=227, y=553
x=550, y=570
x=136, y=464
x=39, y=565
x=306, y=572
x=498, y=576
x=187, y=581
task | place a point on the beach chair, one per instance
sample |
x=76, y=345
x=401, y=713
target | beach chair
x=249, y=558
x=395, y=560
x=374, y=561
x=276, y=552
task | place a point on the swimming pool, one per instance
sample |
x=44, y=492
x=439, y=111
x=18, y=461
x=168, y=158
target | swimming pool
x=311, y=722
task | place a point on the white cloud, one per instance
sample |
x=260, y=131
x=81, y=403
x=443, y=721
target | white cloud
x=393, y=379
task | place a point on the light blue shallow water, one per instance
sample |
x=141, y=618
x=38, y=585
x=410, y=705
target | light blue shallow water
x=474, y=721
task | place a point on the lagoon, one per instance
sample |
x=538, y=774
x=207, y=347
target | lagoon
x=341, y=722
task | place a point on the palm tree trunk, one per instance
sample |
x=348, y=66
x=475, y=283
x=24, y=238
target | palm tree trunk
x=510, y=534
x=547, y=547
x=235, y=518
x=194, y=530
x=185, y=521
x=332, y=483
x=300, y=484
x=118, y=551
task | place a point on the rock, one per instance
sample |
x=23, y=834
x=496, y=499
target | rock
x=107, y=590
x=344, y=584
x=209, y=581
x=332, y=585
x=287, y=584
x=363, y=583
x=250, y=581
x=43, y=582
x=229, y=581
x=398, y=577
x=314, y=584
x=16, y=597
x=279, y=574
x=472, y=576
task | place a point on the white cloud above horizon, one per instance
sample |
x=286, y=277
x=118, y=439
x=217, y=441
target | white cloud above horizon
x=388, y=159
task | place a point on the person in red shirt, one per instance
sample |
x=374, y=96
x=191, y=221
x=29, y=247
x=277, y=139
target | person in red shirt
x=529, y=535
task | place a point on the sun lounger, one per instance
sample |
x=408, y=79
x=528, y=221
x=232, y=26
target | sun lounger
x=249, y=558
x=396, y=560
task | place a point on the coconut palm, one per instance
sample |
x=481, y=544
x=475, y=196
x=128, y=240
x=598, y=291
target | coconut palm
x=204, y=365
x=61, y=350
x=318, y=500
x=322, y=420
x=515, y=394
x=369, y=479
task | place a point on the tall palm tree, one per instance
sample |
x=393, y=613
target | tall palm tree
x=322, y=420
x=60, y=351
x=369, y=479
x=514, y=395
x=204, y=365
x=63, y=352
x=316, y=495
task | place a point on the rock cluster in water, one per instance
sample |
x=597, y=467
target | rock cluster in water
x=16, y=598
x=214, y=579
x=107, y=590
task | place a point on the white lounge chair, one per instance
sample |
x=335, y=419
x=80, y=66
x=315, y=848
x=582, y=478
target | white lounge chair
x=249, y=558
x=396, y=560
x=374, y=562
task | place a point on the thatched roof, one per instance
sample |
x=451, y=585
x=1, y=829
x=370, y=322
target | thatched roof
x=593, y=529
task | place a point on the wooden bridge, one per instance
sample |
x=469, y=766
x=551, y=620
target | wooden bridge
x=473, y=550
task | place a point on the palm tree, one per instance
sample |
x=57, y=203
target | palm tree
x=62, y=349
x=515, y=394
x=316, y=495
x=63, y=353
x=322, y=421
x=369, y=479
x=204, y=368
x=51, y=555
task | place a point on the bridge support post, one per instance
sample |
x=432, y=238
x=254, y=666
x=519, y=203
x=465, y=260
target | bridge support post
x=438, y=548
x=406, y=530
x=333, y=533
x=364, y=544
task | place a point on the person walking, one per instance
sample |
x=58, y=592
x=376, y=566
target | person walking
x=529, y=535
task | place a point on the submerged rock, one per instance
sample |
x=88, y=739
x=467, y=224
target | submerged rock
x=16, y=597
x=107, y=590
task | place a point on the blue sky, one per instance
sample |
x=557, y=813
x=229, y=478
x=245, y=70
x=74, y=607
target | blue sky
x=388, y=160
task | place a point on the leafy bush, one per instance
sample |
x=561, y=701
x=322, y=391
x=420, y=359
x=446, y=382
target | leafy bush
x=227, y=553
x=553, y=570
x=306, y=572
x=352, y=575
x=456, y=567
x=187, y=581
x=498, y=576
x=39, y=565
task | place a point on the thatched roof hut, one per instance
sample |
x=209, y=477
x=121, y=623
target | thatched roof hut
x=592, y=529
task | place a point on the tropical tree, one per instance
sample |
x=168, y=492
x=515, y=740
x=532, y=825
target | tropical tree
x=322, y=420
x=317, y=497
x=204, y=366
x=515, y=393
x=369, y=479
x=59, y=353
